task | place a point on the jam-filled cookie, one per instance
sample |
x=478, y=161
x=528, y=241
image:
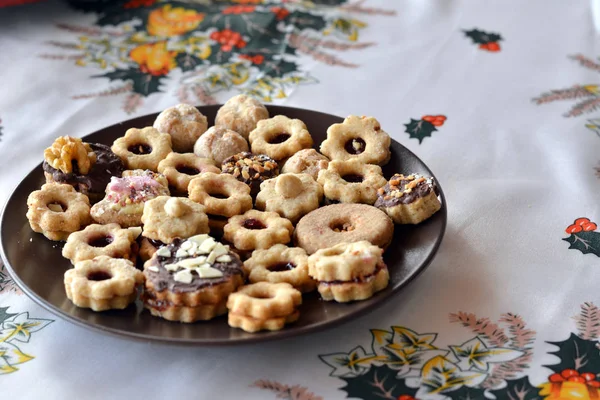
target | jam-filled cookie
x=57, y=210
x=180, y=169
x=351, y=181
x=125, y=197
x=280, y=137
x=184, y=123
x=349, y=271
x=409, y=199
x=252, y=169
x=290, y=195
x=190, y=280
x=338, y=223
x=142, y=148
x=240, y=114
x=219, y=143
x=357, y=138
x=257, y=230
x=102, y=240
x=87, y=167
x=307, y=161
x=279, y=264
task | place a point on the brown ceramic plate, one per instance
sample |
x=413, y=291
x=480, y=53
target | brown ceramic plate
x=37, y=266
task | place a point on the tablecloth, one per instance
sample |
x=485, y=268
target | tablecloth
x=508, y=308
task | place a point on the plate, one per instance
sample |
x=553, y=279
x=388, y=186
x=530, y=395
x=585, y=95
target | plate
x=37, y=266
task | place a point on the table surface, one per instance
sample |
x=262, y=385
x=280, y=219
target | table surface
x=505, y=310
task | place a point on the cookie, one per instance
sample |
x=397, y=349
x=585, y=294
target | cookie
x=252, y=169
x=103, y=283
x=357, y=138
x=240, y=114
x=409, y=199
x=351, y=181
x=190, y=280
x=167, y=218
x=338, y=223
x=307, y=161
x=142, y=148
x=349, y=271
x=184, y=124
x=279, y=137
x=257, y=230
x=57, y=210
x=102, y=240
x=219, y=143
x=290, y=195
x=125, y=197
x=180, y=169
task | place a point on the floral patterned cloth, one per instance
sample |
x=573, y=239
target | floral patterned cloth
x=502, y=104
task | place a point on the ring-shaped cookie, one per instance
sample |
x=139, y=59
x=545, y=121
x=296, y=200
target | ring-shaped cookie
x=279, y=137
x=351, y=181
x=221, y=194
x=264, y=300
x=180, y=169
x=142, y=148
x=257, y=230
x=102, y=240
x=338, y=223
x=57, y=210
x=280, y=264
x=103, y=283
x=357, y=138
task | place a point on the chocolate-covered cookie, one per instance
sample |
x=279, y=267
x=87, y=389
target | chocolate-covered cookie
x=252, y=169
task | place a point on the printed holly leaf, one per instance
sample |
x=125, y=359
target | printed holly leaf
x=218, y=56
x=118, y=15
x=419, y=129
x=378, y=383
x=520, y=389
x=303, y=20
x=4, y=315
x=97, y=6
x=481, y=37
x=469, y=393
x=21, y=327
x=279, y=68
x=440, y=376
x=118, y=74
x=576, y=353
x=11, y=355
x=187, y=62
x=354, y=362
x=475, y=354
x=586, y=242
x=144, y=84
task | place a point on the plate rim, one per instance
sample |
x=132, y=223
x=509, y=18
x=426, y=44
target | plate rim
x=256, y=338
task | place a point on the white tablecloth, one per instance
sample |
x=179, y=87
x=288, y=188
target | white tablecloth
x=507, y=304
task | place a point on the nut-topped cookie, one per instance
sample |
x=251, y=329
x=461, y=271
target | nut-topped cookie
x=408, y=199
x=252, y=169
x=190, y=280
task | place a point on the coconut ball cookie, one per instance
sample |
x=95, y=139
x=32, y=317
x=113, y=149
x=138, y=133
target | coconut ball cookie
x=279, y=137
x=241, y=114
x=290, y=195
x=57, y=210
x=351, y=181
x=357, y=138
x=409, y=199
x=142, y=148
x=252, y=169
x=103, y=283
x=87, y=167
x=180, y=169
x=307, y=161
x=125, y=197
x=184, y=123
x=257, y=230
x=102, y=240
x=338, y=223
x=349, y=271
x=219, y=143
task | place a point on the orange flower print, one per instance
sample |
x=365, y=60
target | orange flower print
x=154, y=58
x=228, y=39
x=169, y=21
x=239, y=10
x=257, y=59
x=280, y=12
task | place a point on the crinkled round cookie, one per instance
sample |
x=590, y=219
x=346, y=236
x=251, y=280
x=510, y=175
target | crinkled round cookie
x=184, y=123
x=280, y=137
x=219, y=143
x=166, y=218
x=240, y=114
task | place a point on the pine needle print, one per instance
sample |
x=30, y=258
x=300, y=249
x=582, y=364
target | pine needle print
x=203, y=96
x=588, y=321
x=586, y=62
x=598, y=171
x=182, y=95
x=576, y=92
x=522, y=337
x=63, y=45
x=286, y=392
x=87, y=30
x=359, y=8
x=584, y=107
x=329, y=59
x=482, y=327
x=132, y=102
x=126, y=88
x=331, y=44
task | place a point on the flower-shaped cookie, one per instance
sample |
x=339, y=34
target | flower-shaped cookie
x=142, y=148
x=240, y=114
x=290, y=195
x=357, y=138
x=351, y=181
x=180, y=169
x=57, y=210
x=221, y=194
x=102, y=240
x=166, y=218
x=257, y=230
x=279, y=137
x=184, y=123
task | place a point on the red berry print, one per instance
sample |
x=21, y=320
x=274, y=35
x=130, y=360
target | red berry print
x=280, y=12
x=428, y=118
x=555, y=378
x=228, y=39
x=257, y=59
x=581, y=221
x=594, y=384
x=577, y=379
x=493, y=47
x=239, y=10
x=568, y=373
x=590, y=226
x=588, y=376
x=405, y=397
x=573, y=229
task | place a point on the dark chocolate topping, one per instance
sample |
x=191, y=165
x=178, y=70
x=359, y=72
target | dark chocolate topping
x=252, y=169
x=395, y=192
x=107, y=165
x=163, y=279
